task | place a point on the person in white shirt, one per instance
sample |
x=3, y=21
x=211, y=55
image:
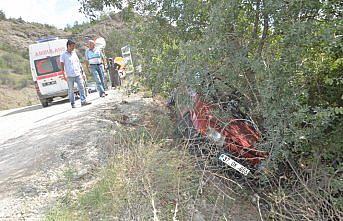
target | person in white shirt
x=71, y=68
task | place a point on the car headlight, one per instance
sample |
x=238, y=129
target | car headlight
x=215, y=137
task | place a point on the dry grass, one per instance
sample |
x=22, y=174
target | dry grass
x=11, y=98
x=305, y=195
x=153, y=177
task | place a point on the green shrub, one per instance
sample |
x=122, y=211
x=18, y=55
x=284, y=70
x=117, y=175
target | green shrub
x=2, y=15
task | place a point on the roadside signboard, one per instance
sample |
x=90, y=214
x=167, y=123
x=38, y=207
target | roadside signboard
x=126, y=54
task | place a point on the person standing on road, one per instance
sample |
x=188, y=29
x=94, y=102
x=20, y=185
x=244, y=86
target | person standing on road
x=113, y=71
x=94, y=58
x=71, y=69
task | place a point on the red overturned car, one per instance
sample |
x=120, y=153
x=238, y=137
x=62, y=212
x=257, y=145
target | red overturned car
x=234, y=136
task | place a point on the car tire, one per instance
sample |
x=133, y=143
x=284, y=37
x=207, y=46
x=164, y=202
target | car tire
x=188, y=133
x=44, y=102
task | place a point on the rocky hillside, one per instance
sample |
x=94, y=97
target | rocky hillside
x=105, y=26
x=18, y=34
x=111, y=27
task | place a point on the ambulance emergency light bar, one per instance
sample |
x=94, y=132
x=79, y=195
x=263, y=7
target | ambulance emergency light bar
x=50, y=38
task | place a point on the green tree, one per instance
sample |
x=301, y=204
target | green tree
x=2, y=15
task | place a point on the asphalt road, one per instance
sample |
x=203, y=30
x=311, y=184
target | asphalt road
x=16, y=122
x=37, y=146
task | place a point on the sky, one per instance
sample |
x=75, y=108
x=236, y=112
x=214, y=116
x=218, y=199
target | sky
x=58, y=13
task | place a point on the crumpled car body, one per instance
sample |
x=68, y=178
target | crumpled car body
x=238, y=136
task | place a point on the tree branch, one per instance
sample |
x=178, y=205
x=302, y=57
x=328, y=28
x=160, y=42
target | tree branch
x=264, y=33
x=257, y=19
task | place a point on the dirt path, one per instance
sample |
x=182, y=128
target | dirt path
x=48, y=150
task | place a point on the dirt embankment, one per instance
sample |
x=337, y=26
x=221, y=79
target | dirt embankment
x=152, y=176
x=113, y=160
x=12, y=98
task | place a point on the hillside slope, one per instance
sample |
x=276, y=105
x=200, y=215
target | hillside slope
x=18, y=34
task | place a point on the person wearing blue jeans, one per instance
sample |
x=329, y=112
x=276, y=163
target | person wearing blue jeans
x=71, y=81
x=98, y=74
x=94, y=58
x=71, y=69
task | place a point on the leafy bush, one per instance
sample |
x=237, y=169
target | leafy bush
x=15, y=69
x=2, y=15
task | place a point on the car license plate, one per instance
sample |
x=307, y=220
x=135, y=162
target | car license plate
x=48, y=83
x=235, y=165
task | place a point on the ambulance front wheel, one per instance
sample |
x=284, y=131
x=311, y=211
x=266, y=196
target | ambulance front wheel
x=44, y=102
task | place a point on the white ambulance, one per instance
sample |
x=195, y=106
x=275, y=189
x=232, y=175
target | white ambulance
x=46, y=69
